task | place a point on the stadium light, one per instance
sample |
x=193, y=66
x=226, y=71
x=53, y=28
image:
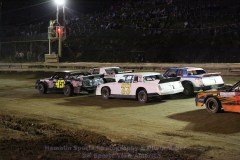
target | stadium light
x=60, y=2
x=60, y=20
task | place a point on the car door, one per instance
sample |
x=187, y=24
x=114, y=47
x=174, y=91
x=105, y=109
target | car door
x=126, y=87
x=123, y=87
x=116, y=87
x=231, y=100
x=58, y=81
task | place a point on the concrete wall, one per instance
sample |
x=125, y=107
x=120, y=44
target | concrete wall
x=224, y=68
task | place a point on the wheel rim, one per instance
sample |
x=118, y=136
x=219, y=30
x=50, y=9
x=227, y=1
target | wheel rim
x=212, y=106
x=142, y=96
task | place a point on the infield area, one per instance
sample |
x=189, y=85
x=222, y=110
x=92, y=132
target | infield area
x=174, y=124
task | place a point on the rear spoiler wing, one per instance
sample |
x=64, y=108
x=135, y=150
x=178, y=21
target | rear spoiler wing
x=211, y=74
x=131, y=71
x=174, y=79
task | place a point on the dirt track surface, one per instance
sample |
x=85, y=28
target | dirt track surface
x=175, y=125
x=44, y=141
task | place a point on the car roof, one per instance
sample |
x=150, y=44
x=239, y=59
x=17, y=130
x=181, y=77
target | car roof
x=192, y=68
x=66, y=71
x=143, y=73
x=188, y=68
x=109, y=67
x=71, y=72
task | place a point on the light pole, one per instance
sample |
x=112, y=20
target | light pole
x=60, y=20
x=60, y=5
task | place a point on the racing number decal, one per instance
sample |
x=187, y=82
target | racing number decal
x=60, y=84
x=126, y=88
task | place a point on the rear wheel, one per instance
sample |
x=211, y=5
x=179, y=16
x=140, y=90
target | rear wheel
x=213, y=105
x=42, y=89
x=105, y=92
x=68, y=90
x=188, y=89
x=142, y=96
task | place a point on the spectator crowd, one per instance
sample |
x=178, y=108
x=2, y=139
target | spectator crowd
x=153, y=26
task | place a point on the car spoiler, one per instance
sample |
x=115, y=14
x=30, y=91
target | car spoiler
x=211, y=74
x=132, y=71
x=174, y=79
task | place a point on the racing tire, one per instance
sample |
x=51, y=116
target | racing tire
x=42, y=89
x=188, y=89
x=68, y=90
x=213, y=105
x=142, y=96
x=105, y=92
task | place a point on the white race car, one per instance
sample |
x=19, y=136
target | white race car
x=141, y=86
x=195, y=79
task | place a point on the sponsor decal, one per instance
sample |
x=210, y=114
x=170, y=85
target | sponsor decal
x=126, y=88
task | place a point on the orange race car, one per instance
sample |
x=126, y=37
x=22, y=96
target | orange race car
x=217, y=101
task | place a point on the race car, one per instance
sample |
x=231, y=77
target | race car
x=195, y=79
x=217, y=101
x=69, y=83
x=111, y=74
x=140, y=86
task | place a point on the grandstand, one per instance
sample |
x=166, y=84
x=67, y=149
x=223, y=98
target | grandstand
x=138, y=31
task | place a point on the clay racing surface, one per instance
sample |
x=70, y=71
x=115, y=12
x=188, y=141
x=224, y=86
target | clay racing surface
x=52, y=126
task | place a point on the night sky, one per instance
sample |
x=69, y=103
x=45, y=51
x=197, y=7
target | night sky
x=19, y=12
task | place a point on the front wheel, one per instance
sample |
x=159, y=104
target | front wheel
x=42, y=89
x=213, y=105
x=142, y=96
x=105, y=92
x=188, y=89
x=68, y=90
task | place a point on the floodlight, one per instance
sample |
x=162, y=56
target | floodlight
x=60, y=2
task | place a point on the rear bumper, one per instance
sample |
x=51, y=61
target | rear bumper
x=151, y=95
x=174, y=91
x=205, y=88
x=164, y=93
